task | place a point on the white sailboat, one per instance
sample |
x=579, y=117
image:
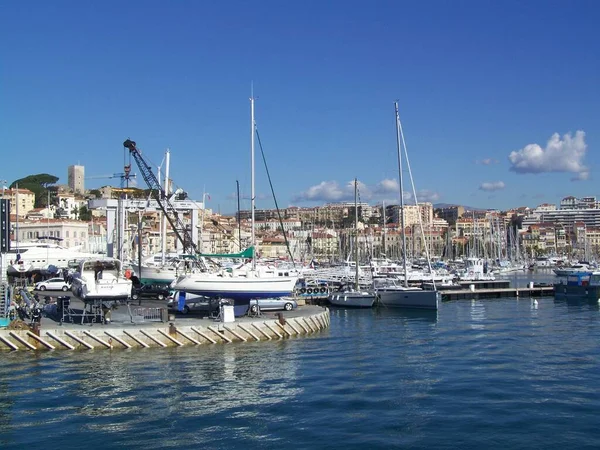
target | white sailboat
x=388, y=292
x=354, y=296
x=248, y=282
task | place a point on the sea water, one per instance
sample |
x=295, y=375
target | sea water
x=476, y=374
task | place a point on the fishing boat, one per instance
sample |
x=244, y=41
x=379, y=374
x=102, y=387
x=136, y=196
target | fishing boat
x=249, y=280
x=101, y=279
x=389, y=293
x=354, y=296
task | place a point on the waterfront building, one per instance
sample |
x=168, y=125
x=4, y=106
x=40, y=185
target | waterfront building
x=451, y=213
x=413, y=214
x=71, y=233
x=276, y=225
x=68, y=205
x=571, y=202
x=24, y=197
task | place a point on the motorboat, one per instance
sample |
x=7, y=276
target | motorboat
x=102, y=279
x=572, y=269
x=27, y=257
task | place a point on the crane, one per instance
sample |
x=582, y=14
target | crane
x=124, y=176
x=161, y=197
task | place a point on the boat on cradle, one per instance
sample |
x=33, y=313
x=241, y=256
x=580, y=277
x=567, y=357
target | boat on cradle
x=154, y=271
x=247, y=282
x=579, y=286
x=101, y=279
x=388, y=292
x=354, y=296
x=241, y=283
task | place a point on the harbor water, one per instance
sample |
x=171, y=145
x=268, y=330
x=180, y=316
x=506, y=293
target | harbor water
x=495, y=374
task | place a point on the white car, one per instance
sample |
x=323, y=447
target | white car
x=53, y=284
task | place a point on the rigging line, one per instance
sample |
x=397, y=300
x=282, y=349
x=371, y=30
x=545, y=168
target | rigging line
x=426, y=244
x=287, y=244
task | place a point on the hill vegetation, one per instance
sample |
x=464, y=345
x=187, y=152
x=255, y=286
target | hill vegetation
x=40, y=184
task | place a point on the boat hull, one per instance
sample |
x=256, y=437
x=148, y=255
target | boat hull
x=156, y=275
x=564, y=291
x=352, y=299
x=409, y=298
x=239, y=289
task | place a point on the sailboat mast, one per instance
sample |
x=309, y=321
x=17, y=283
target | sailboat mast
x=237, y=184
x=401, y=194
x=384, y=230
x=252, y=196
x=356, y=230
x=163, y=225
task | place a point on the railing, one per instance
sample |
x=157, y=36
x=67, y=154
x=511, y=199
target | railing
x=4, y=301
x=142, y=314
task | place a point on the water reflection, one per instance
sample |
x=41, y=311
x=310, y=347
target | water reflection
x=377, y=378
x=409, y=314
x=478, y=318
x=116, y=391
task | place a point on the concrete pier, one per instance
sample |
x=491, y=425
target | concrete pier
x=180, y=331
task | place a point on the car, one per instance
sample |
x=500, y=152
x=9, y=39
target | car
x=273, y=304
x=158, y=291
x=53, y=284
x=191, y=302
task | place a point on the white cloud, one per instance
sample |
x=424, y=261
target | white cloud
x=386, y=190
x=492, y=186
x=326, y=191
x=487, y=161
x=387, y=186
x=426, y=195
x=560, y=155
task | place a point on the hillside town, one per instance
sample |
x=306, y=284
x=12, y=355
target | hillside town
x=71, y=215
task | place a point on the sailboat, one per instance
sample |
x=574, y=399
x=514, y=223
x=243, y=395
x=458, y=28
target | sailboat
x=389, y=293
x=354, y=296
x=248, y=281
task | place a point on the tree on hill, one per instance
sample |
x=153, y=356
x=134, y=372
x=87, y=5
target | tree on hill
x=40, y=185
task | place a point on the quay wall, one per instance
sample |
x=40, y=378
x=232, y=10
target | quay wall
x=172, y=334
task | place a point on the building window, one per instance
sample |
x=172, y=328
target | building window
x=67, y=233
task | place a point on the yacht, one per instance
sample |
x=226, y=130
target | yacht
x=27, y=257
x=101, y=279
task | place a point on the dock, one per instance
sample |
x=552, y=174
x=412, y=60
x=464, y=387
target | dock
x=460, y=294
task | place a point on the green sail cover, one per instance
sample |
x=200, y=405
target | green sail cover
x=248, y=253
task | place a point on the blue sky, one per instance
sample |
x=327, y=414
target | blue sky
x=498, y=100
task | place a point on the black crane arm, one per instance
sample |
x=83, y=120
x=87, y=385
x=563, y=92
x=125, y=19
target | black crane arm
x=159, y=194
